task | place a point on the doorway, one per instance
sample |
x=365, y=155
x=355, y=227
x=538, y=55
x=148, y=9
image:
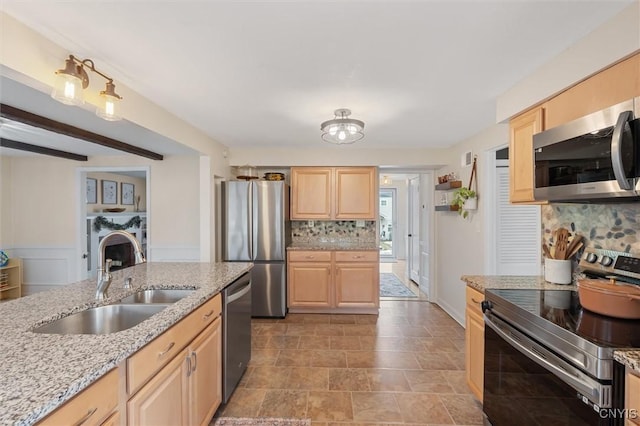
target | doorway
x=110, y=198
x=388, y=222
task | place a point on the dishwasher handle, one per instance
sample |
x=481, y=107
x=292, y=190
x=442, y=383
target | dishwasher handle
x=597, y=393
x=239, y=293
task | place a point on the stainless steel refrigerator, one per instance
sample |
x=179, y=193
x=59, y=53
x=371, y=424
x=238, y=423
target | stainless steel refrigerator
x=255, y=228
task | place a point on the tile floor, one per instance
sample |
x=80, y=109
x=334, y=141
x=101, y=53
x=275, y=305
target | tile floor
x=403, y=366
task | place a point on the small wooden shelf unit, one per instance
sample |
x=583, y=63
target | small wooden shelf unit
x=11, y=279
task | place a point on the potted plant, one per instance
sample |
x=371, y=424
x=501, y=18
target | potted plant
x=465, y=199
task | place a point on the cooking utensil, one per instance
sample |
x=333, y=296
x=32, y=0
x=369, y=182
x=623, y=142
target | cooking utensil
x=605, y=298
x=572, y=248
x=562, y=237
x=545, y=249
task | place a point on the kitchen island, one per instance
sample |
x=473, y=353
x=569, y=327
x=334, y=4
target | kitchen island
x=40, y=372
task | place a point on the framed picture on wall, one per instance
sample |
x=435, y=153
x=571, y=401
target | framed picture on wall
x=109, y=192
x=92, y=191
x=127, y=191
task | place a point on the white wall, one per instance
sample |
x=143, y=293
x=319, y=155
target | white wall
x=6, y=216
x=459, y=243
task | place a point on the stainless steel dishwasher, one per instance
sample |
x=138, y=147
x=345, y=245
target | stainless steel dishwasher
x=236, y=333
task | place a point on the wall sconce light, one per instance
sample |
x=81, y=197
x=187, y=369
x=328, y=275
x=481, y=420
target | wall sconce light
x=385, y=181
x=73, y=79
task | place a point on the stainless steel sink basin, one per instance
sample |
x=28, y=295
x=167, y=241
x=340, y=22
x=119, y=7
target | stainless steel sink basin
x=157, y=296
x=101, y=320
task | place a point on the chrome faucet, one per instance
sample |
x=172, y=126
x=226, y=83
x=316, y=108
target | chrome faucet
x=104, y=266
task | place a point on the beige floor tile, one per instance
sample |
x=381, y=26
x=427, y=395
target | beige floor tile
x=348, y=379
x=316, y=319
x=308, y=378
x=314, y=342
x=284, y=403
x=330, y=406
x=375, y=407
x=367, y=319
x=294, y=358
x=359, y=330
x=458, y=381
x=458, y=360
x=245, y=377
x=334, y=359
x=464, y=409
x=431, y=381
x=382, y=359
x=264, y=357
x=272, y=329
x=282, y=342
x=388, y=380
x=244, y=403
x=259, y=342
x=422, y=408
x=435, y=361
x=343, y=319
x=392, y=343
x=301, y=329
x=330, y=329
x=439, y=344
x=267, y=377
x=345, y=343
x=415, y=331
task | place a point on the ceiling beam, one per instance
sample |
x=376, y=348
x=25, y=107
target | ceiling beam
x=22, y=146
x=35, y=120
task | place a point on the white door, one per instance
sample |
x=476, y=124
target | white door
x=413, y=257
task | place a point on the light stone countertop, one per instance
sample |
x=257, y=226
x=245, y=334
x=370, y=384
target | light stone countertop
x=334, y=246
x=38, y=372
x=536, y=282
x=630, y=358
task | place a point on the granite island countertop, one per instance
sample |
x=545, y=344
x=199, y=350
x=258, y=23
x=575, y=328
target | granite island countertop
x=39, y=372
x=333, y=246
x=536, y=282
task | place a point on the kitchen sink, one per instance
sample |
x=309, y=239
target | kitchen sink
x=157, y=296
x=102, y=320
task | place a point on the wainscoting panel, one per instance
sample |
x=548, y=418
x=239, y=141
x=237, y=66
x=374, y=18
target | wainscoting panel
x=46, y=268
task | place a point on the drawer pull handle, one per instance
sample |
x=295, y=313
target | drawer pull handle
x=358, y=257
x=475, y=301
x=207, y=315
x=309, y=257
x=188, y=366
x=86, y=417
x=195, y=360
x=163, y=353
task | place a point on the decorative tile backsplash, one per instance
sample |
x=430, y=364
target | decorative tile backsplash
x=344, y=231
x=606, y=226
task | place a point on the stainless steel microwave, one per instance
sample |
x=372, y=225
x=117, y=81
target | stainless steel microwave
x=593, y=158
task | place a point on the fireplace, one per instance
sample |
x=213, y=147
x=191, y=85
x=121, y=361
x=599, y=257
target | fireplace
x=120, y=251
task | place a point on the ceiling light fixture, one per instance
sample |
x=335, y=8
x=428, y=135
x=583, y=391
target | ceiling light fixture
x=73, y=79
x=342, y=129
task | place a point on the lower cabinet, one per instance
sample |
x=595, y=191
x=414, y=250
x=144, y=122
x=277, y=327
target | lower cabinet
x=333, y=281
x=474, y=342
x=632, y=398
x=188, y=390
x=93, y=406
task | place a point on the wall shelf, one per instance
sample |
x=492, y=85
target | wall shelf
x=452, y=184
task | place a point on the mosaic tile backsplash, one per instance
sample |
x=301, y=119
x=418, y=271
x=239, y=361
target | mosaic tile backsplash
x=344, y=231
x=606, y=226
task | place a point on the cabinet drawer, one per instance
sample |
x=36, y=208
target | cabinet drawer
x=309, y=256
x=357, y=256
x=474, y=298
x=90, y=406
x=157, y=353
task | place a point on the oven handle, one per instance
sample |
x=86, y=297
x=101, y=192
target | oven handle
x=620, y=129
x=596, y=393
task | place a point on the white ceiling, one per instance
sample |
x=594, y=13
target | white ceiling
x=266, y=73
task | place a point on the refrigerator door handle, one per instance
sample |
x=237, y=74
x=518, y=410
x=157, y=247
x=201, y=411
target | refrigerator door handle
x=253, y=226
x=250, y=221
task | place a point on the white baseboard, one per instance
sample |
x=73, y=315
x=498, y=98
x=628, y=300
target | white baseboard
x=454, y=313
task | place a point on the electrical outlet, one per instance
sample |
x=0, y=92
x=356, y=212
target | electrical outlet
x=359, y=223
x=310, y=223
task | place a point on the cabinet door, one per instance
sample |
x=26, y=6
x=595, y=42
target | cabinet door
x=474, y=355
x=356, y=193
x=205, y=378
x=632, y=398
x=311, y=192
x=310, y=285
x=164, y=400
x=521, y=172
x=357, y=285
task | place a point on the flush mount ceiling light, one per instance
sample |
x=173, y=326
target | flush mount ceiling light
x=342, y=129
x=73, y=79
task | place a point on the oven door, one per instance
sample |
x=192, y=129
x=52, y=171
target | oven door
x=526, y=384
x=594, y=157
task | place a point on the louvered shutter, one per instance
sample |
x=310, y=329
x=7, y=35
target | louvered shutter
x=518, y=232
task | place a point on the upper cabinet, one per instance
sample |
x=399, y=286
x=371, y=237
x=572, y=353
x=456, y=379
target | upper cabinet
x=521, y=175
x=340, y=193
x=612, y=85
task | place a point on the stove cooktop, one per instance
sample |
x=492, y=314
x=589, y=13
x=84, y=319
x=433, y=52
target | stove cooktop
x=562, y=309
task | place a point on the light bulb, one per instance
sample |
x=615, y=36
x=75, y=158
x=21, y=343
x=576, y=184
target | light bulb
x=333, y=130
x=342, y=135
x=68, y=90
x=353, y=129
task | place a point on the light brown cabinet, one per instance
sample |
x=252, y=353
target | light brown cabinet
x=176, y=379
x=521, y=167
x=91, y=406
x=11, y=279
x=338, y=281
x=327, y=193
x=474, y=342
